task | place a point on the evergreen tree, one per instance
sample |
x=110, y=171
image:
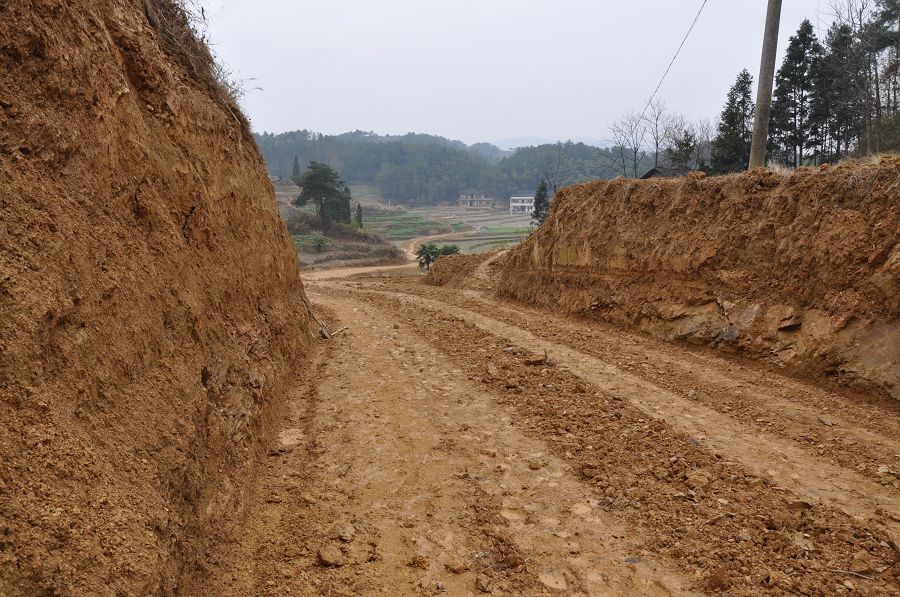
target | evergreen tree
x=359, y=215
x=338, y=206
x=731, y=146
x=836, y=115
x=541, y=204
x=888, y=19
x=296, y=170
x=681, y=150
x=792, y=127
x=323, y=187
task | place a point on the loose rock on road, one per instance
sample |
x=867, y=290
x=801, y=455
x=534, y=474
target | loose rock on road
x=429, y=451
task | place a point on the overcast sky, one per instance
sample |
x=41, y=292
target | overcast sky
x=486, y=70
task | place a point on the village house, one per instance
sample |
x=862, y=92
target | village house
x=475, y=200
x=662, y=172
x=521, y=205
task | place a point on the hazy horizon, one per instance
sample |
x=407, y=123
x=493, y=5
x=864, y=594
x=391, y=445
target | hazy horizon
x=486, y=72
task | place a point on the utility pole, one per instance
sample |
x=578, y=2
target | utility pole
x=764, y=89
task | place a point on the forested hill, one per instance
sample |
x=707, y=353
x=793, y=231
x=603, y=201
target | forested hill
x=428, y=169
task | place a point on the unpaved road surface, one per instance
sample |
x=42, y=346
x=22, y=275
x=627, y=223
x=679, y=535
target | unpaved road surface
x=429, y=451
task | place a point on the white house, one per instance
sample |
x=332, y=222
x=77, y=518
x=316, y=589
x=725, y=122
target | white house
x=521, y=205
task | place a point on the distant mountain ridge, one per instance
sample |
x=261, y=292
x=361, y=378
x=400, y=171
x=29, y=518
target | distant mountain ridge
x=520, y=142
x=488, y=150
x=421, y=168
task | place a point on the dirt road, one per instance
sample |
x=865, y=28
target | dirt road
x=432, y=451
x=410, y=246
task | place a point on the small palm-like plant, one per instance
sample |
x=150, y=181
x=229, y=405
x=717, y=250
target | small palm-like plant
x=426, y=254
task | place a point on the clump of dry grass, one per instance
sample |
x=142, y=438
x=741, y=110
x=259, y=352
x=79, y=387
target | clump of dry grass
x=179, y=25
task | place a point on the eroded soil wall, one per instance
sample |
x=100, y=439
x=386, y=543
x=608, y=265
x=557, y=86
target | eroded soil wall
x=150, y=301
x=800, y=270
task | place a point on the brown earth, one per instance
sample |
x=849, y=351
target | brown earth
x=151, y=315
x=799, y=270
x=438, y=451
x=161, y=433
x=478, y=271
x=454, y=271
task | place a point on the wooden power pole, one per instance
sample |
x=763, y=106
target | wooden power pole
x=764, y=88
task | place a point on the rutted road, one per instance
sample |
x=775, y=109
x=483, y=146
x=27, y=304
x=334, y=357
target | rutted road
x=427, y=455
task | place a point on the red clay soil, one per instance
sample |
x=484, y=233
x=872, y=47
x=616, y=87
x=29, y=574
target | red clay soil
x=150, y=304
x=800, y=270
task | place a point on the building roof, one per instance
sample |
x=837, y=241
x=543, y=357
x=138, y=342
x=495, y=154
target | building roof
x=662, y=172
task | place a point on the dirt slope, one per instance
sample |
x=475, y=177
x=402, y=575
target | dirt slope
x=150, y=302
x=453, y=271
x=800, y=270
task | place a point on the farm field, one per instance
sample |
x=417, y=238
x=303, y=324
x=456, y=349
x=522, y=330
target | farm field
x=481, y=230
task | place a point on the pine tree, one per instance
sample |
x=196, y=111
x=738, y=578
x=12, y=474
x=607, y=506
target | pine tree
x=731, y=146
x=792, y=127
x=296, y=170
x=338, y=206
x=323, y=187
x=359, y=215
x=541, y=204
x=836, y=113
x=681, y=150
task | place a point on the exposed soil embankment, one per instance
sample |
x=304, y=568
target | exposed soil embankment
x=454, y=271
x=150, y=301
x=799, y=270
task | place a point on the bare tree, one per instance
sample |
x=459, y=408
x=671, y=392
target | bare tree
x=655, y=118
x=554, y=172
x=628, y=134
x=618, y=150
x=705, y=131
x=856, y=14
x=675, y=126
x=676, y=130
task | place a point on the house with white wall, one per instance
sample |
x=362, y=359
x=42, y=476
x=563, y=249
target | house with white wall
x=475, y=200
x=521, y=205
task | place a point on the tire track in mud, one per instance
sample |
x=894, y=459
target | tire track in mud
x=772, y=457
x=752, y=529
x=404, y=477
x=862, y=437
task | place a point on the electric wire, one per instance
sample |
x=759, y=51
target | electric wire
x=675, y=57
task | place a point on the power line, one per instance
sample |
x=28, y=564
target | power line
x=677, y=52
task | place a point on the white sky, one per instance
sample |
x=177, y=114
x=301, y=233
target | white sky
x=486, y=70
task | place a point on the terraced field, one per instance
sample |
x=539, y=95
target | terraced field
x=483, y=230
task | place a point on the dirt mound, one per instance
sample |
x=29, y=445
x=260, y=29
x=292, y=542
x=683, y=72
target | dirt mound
x=150, y=299
x=475, y=272
x=800, y=270
x=453, y=270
